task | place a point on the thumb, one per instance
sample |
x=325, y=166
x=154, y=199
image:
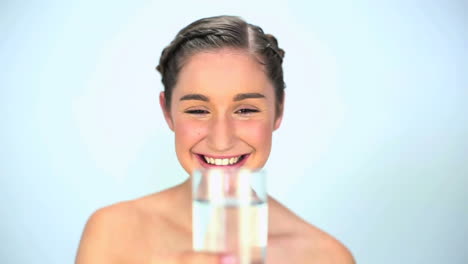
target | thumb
x=191, y=257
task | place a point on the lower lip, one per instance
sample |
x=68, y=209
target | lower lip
x=237, y=165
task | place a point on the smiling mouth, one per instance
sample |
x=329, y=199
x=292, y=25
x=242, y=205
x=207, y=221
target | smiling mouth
x=230, y=161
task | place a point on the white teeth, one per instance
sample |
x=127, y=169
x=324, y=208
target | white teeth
x=233, y=160
x=221, y=162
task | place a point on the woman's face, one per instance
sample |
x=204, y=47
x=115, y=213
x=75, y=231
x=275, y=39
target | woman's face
x=222, y=111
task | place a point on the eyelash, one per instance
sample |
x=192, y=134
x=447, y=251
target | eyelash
x=243, y=111
x=246, y=111
x=196, y=112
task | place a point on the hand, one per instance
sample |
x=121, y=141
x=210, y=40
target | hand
x=191, y=257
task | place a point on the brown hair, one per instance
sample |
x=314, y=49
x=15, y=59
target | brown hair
x=221, y=32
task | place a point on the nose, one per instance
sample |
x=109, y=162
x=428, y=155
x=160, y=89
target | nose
x=221, y=134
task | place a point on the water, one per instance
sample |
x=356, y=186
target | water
x=231, y=227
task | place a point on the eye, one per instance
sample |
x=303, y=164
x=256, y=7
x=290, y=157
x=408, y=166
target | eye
x=197, y=112
x=247, y=111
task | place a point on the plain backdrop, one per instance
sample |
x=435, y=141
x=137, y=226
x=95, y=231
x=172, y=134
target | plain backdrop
x=373, y=147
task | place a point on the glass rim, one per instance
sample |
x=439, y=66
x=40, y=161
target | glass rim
x=231, y=171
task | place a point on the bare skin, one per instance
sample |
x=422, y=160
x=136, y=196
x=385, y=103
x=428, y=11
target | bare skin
x=157, y=229
x=212, y=114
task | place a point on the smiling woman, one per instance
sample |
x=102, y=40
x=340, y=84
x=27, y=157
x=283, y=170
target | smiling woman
x=223, y=98
x=222, y=108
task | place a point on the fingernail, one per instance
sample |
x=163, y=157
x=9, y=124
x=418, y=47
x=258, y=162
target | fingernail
x=228, y=259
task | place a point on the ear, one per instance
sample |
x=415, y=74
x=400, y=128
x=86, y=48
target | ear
x=166, y=112
x=279, y=116
x=278, y=120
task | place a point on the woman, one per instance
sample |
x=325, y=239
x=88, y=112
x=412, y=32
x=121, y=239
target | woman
x=223, y=98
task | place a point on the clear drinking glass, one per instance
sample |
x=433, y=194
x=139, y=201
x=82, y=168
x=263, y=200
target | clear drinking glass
x=230, y=213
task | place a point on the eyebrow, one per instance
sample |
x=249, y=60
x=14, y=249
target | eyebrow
x=199, y=97
x=238, y=97
x=243, y=96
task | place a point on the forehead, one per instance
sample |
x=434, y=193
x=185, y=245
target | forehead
x=222, y=72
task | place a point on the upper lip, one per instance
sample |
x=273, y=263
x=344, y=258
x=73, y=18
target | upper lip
x=221, y=156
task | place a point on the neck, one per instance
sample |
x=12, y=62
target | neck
x=180, y=204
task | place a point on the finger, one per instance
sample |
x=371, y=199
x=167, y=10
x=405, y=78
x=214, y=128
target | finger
x=191, y=257
x=201, y=258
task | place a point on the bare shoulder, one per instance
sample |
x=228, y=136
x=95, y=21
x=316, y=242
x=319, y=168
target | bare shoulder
x=120, y=232
x=324, y=247
x=310, y=242
x=126, y=232
x=103, y=231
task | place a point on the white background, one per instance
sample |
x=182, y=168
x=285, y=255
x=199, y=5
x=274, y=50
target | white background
x=373, y=147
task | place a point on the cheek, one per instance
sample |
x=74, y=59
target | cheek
x=187, y=133
x=258, y=134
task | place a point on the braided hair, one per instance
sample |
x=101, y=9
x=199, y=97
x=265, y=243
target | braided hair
x=222, y=32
